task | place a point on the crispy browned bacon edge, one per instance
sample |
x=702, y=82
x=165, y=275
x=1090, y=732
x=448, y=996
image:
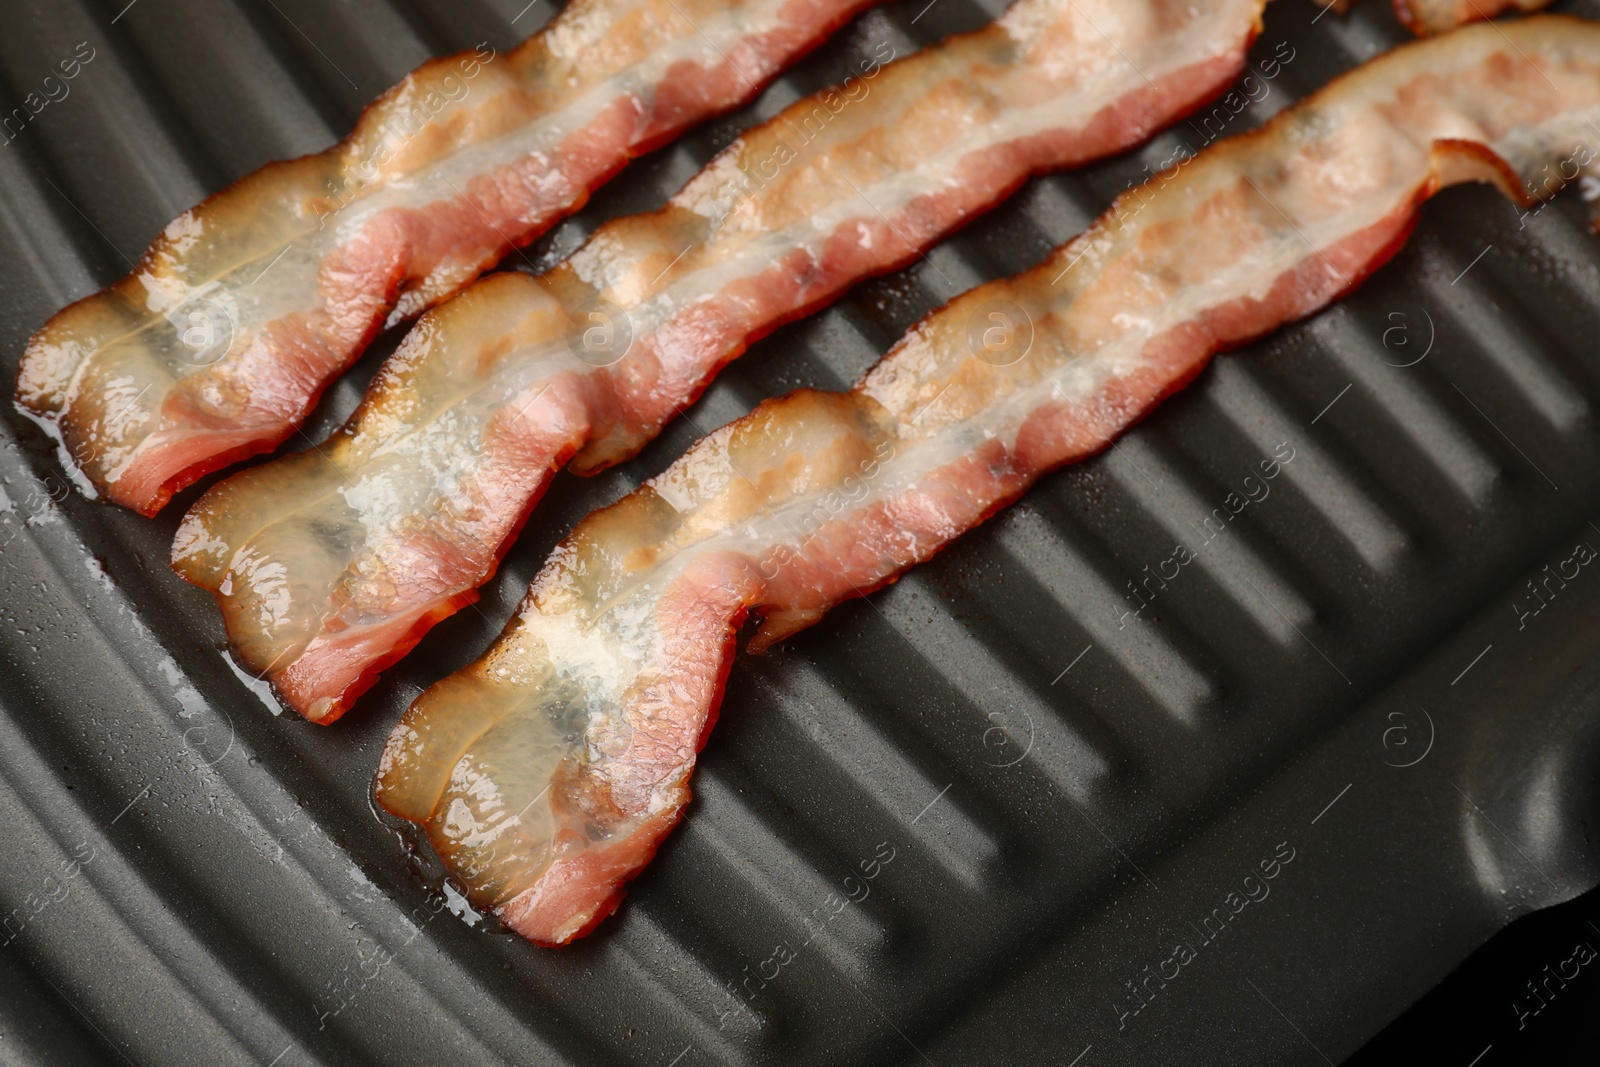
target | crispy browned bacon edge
x=1427, y=17
x=547, y=773
x=1424, y=17
x=331, y=564
x=221, y=340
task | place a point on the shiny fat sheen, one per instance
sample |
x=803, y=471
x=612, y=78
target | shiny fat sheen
x=219, y=343
x=547, y=773
x=331, y=564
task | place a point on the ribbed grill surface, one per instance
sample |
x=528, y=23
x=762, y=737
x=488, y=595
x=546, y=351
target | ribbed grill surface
x=1028, y=750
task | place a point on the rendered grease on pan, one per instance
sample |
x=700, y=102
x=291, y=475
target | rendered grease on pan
x=547, y=773
x=331, y=564
x=219, y=343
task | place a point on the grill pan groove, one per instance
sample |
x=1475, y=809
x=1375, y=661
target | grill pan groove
x=241, y=884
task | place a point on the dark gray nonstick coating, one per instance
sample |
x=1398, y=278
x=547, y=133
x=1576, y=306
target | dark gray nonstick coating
x=1346, y=689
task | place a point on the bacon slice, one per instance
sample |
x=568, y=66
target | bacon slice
x=547, y=772
x=331, y=564
x=220, y=342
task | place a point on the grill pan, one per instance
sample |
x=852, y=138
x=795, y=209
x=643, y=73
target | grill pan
x=1348, y=688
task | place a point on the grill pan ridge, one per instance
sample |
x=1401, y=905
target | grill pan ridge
x=1347, y=687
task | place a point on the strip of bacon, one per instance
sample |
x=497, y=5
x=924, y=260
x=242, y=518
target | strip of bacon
x=331, y=564
x=547, y=773
x=220, y=342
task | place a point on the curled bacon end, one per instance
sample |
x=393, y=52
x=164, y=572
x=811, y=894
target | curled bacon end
x=547, y=772
x=220, y=342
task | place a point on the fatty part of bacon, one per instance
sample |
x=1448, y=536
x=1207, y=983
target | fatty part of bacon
x=331, y=564
x=546, y=773
x=220, y=342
